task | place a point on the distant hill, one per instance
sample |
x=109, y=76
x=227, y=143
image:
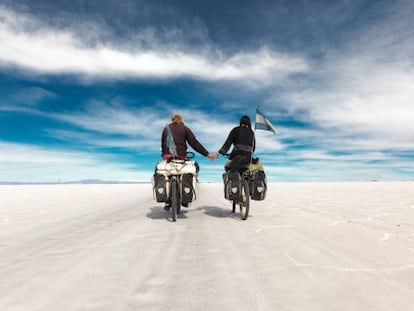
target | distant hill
x=84, y=181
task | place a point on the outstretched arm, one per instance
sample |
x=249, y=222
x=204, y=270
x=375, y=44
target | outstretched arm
x=195, y=144
x=229, y=141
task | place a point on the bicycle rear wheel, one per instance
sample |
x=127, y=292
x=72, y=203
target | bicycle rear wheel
x=175, y=200
x=244, y=200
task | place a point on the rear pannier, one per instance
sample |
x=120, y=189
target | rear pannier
x=161, y=179
x=188, y=182
x=160, y=187
x=232, y=185
x=258, y=186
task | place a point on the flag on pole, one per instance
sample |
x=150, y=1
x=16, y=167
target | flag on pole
x=262, y=123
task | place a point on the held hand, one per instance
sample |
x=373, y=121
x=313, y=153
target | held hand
x=212, y=156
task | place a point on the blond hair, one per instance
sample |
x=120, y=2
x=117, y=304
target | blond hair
x=177, y=118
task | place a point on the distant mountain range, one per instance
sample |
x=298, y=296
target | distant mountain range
x=85, y=181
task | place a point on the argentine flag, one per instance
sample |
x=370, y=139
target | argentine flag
x=262, y=123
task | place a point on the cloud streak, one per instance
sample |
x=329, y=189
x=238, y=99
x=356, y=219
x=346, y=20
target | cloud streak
x=31, y=45
x=360, y=97
x=24, y=162
x=115, y=125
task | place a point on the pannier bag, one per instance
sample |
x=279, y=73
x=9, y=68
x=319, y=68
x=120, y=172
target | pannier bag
x=258, y=186
x=188, y=188
x=160, y=187
x=232, y=185
x=166, y=168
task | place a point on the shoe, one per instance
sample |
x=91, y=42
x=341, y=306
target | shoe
x=167, y=206
x=184, y=204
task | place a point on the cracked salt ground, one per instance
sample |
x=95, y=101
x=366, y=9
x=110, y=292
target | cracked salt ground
x=317, y=246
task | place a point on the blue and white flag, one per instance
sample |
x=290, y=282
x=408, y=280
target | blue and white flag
x=262, y=123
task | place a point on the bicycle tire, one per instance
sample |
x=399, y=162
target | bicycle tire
x=174, y=199
x=234, y=206
x=245, y=200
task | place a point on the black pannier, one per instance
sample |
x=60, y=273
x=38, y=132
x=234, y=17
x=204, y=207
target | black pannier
x=258, y=186
x=160, y=186
x=187, y=188
x=232, y=185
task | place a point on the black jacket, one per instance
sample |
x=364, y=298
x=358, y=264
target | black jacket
x=243, y=141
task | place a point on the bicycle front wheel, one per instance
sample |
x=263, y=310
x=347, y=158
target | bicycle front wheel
x=244, y=200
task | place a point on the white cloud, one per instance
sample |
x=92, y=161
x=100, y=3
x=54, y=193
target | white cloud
x=359, y=97
x=88, y=139
x=267, y=143
x=115, y=119
x=27, y=163
x=375, y=104
x=319, y=166
x=31, y=96
x=115, y=125
x=139, y=127
x=100, y=124
x=29, y=44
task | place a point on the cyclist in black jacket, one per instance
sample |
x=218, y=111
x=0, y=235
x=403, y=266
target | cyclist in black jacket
x=243, y=141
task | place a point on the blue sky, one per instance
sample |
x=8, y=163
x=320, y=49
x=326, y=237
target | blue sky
x=87, y=86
